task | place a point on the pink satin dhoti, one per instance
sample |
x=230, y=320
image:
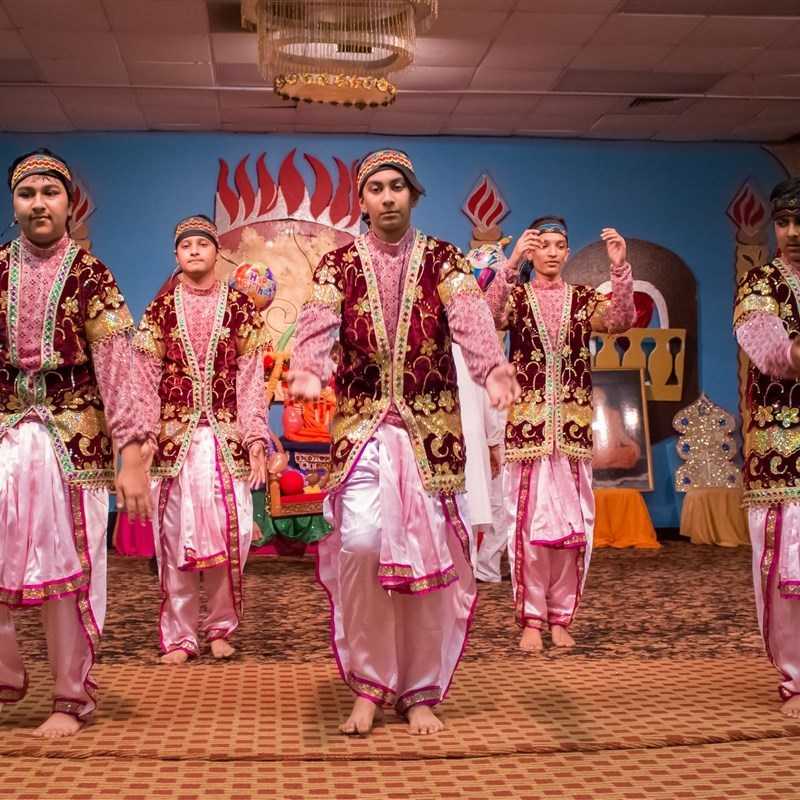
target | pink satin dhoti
x=549, y=513
x=774, y=534
x=52, y=555
x=203, y=523
x=397, y=574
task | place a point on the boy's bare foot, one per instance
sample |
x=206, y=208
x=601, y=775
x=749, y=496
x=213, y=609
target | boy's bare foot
x=220, y=648
x=422, y=721
x=531, y=641
x=175, y=657
x=58, y=725
x=560, y=636
x=360, y=719
x=791, y=708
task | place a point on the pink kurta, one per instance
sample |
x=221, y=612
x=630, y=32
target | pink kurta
x=766, y=342
x=191, y=530
x=39, y=562
x=549, y=503
x=396, y=565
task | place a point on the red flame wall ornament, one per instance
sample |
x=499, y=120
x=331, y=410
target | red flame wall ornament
x=748, y=211
x=485, y=206
x=82, y=206
x=332, y=202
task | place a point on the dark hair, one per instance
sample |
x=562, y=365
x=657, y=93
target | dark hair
x=549, y=218
x=41, y=151
x=791, y=187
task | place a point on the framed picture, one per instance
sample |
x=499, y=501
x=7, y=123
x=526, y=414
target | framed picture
x=622, y=457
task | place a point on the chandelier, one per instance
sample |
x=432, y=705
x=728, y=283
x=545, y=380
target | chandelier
x=336, y=52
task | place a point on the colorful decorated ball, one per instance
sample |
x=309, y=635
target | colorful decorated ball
x=487, y=256
x=255, y=279
x=292, y=482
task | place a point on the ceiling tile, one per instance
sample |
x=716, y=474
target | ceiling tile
x=537, y=57
x=265, y=98
x=758, y=85
x=161, y=115
x=514, y=79
x=54, y=45
x=469, y=23
x=628, y=126
x=568, y=6
x=31, y=108
x=164, y=16
x=12, y=47
x=726, y=110
x=178, y=98
x=450, y=51
x=776, y=62
x=24, y=97
x=20, y=71
x=495, y=106
x=708, y=59
x=235, y=48
x=619, y=57
x=662, y=7
x=646, y=29
x=5, y=20
x=235, y=127
x=73, y=97
x=551, y=29
x=735, y=32
x=789, y=36
x=767, y=131
x=636, y=82
x=758, y=8
x=566, y=105
x=57, y=15
x=318, y=113
x=224, y=17
x=556, y=122
x=186, y=49
x=423, y=102
x=322, y=127
x=689, y=128
x=450, y=6
x=84, y=71
x=107, y=118
x=658, y=106
x=786, y=110
x=433, y=78
x=239, y=75
x=259, y=116
x=145, y=73
x=409, y=124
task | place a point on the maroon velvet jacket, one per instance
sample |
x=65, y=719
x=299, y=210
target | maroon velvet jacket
x=555, y=409
x=188, y=391
x=84, y=308
x=771, y=419
x=416, y=370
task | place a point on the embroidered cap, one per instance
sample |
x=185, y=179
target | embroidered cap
x=196, y=225
x=387, y=159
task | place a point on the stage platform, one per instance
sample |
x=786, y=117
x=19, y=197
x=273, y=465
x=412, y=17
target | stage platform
x=668, y=695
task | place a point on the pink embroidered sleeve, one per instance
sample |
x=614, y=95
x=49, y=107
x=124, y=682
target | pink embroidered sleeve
x=473, y=328
x=113, y=360
x=147, y=374
x=767, y=344
x=621, y=313
x=496, y=295
x=316, y=335
x=251, y=402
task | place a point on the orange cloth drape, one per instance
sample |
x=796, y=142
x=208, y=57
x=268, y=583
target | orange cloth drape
x=622, y=520
x=714, y=516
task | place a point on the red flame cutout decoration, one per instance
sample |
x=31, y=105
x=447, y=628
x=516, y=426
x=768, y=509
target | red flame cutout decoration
x=247, y=202
x=485, y=206
x=748, y=209
x=82, y=206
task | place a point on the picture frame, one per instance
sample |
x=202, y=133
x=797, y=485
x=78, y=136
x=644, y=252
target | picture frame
x=622, y=456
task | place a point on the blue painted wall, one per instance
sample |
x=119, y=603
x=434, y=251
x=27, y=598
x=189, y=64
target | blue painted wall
x=671, y=194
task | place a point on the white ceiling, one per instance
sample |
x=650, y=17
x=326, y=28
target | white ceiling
x=639, y=69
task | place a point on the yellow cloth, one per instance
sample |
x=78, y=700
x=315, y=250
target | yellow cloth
x=622, y=520
x=714, y=516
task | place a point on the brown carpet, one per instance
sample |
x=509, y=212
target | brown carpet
x=668, y=695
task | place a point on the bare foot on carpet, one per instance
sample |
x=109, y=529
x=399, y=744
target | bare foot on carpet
x=221, y=649
x=531, y=641
x=791, y=708
x=422, y=721
x=560, y=637
x=360, y=719
x=175, y=657
x=58, y=725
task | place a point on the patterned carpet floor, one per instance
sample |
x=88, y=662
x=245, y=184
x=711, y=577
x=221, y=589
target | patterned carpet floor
x=668, y=695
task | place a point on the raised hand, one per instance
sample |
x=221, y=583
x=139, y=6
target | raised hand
x=502, y=386
x=616, y=247
x=523, y=249
x=303, y=385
